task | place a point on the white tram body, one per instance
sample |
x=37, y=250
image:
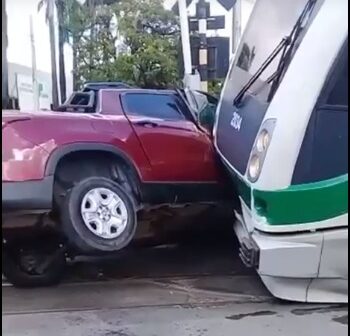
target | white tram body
x=282, y=132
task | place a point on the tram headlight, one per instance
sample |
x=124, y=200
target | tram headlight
x=254, y=167
x=263, y=141
x=260, y=148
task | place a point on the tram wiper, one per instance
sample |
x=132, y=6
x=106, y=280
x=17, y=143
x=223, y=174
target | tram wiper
x=286, y=45
x=275, y=79
x=254, y=78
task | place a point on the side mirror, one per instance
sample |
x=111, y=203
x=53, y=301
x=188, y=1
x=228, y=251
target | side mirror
x=206, y=117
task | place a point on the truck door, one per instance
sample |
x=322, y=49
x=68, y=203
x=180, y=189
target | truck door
x=178, y=151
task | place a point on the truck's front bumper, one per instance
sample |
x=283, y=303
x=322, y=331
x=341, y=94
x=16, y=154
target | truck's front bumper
x=27, y=195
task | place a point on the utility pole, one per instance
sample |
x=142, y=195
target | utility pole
x=36, y=104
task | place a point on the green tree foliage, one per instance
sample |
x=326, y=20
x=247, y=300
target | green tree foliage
x=150, y=36
x=79, y=24
x=215, y=87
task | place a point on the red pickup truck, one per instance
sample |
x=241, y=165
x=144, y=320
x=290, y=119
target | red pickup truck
x=102, y=157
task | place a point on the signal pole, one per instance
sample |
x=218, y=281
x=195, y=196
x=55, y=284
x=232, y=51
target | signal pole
x=203, y=43
x=185, y=37
x=191, y=80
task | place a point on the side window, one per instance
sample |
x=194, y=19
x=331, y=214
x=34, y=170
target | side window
x=324, y=151
x=162, y=106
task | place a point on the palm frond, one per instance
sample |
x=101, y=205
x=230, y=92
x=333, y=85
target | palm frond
x=41, y=4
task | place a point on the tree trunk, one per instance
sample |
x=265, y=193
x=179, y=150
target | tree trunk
x=92, y=8
x=75, y=63
x=55, y=101
x=61, y=42
x=5, y=93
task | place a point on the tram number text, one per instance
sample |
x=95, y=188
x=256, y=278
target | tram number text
x=236, y=121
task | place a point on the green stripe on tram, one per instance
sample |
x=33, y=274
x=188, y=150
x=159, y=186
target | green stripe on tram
x=299, y=204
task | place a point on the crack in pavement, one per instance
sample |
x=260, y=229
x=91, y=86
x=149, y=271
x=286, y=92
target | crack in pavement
x=253, y=314
x=320, y=310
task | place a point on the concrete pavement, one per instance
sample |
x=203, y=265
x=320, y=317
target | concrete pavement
x=195, y=289
x=205, y=306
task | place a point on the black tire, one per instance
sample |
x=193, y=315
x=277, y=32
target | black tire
x=74, y=228
x=20, y=276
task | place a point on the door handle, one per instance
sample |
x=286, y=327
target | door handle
x=146, y=123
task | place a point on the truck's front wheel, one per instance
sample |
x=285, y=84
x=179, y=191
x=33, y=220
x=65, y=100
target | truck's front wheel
x=98, y=215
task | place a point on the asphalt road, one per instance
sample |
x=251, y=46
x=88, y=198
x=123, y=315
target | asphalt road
x=193, y=289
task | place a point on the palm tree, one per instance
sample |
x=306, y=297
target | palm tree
x=62, y=39
x=50, y=4
x=5, y=94
x=80, y=18
x=75, y=26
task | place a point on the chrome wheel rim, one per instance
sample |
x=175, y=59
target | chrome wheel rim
x=104, y=213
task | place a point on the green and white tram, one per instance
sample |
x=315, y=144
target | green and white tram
x=282, y=131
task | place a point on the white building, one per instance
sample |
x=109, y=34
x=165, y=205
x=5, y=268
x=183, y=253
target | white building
x=19, y=48
x=21, y=86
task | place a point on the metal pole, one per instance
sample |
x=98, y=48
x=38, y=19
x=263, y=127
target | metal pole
x=34, y=72
x=203, y=49
x=185, y=37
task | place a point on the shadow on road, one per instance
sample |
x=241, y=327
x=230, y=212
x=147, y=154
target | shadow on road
x=202, y=244
x=178, y=259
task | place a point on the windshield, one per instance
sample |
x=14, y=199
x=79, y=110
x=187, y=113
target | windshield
x=285, y=48
x=238, y=124
x=271, y=21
